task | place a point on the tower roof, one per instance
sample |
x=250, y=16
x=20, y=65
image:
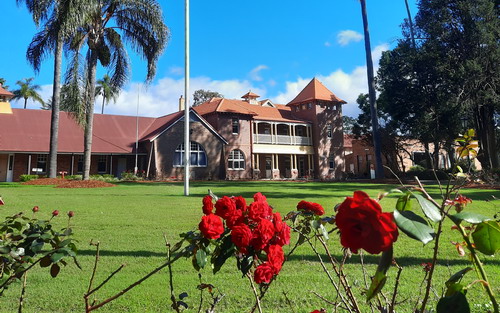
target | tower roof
x=315, y=90
x=5, y=93
x=250, y=95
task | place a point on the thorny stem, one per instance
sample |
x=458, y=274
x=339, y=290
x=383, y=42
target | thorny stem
x=201, y=295
x=23, y=293
x=257, y=300
x=396, y=285
x=6, y=282
x=172, y=294
x=347, y=304
x=95, y=266
x=341, y=275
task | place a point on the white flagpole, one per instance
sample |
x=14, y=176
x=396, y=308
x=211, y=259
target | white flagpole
x=187, y=144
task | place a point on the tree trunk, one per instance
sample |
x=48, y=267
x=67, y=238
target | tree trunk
x=102, y=111
x=410, y=23
x=89, y=119
x=25, y=102
x=379, y=169
x=54, y=121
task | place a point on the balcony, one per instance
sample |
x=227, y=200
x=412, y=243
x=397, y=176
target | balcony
x=280, y=133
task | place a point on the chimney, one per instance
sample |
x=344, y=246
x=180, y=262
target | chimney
x=181, y=103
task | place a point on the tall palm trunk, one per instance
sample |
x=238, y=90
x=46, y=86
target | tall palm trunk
x=25, y=102
x=410, y=23
x=54, y=121
x=379, y=169
x=103, y=103
x=89, y=119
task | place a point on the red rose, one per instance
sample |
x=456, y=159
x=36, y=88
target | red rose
x=259, y=197
x=282, y=236
x=35, y=209
x=275, y=257
x=236, y=218
x=362, y=225
x=240, y=202
x=208, y=205
x=311, y=207
x=263, y=273
x=55, y=213
x=211, y=226
x=262, y=234
x=225, y=207
x=259, y=210
x=71, y=214
x=241, y=235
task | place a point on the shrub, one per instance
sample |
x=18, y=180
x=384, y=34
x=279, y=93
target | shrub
x=74, y=177
x=130, y=176
x=26, y=177
x=108, y=178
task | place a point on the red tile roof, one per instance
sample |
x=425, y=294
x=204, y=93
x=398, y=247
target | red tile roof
x=315, y=90
x=28, y=131
x=6, y=93
x=250, y=95
x=219, y=105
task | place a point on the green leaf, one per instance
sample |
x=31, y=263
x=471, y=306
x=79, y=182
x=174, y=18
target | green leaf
x=378, y=282
x=324, y=232
x=404, y=202
x=45, y=261
x=183, y=295
x=453, y=288
x=201, y=258
x=429, y=209
x=385, y=260
x=456, y=303
x=473, y=218
x=455, y=278
x=222, y=253
x=487, y=237
x=245, y=264
x=414, y=226
x=56, y=257
x=54, y=270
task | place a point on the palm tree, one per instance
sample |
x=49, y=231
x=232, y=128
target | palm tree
x=379, y=169
x=27, y=91
x=107, y=90
x=63, y=20
x=2, y=83
x=108, y=24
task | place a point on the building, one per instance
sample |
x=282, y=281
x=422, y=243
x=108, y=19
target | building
x=230, y=139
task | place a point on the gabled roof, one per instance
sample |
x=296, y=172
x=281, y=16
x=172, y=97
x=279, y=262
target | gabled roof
x=315, y=90
x=28, y=130
x=277, y=113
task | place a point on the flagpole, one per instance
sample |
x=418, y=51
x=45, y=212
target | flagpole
x=187, y=145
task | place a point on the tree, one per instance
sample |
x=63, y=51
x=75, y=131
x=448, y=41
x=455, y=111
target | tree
x=27, y=90
x=2, y=83
x=348, y=124
x=200, y=96
x=107, y=25
x=379, y=169
x=451, y=73
x=105, y=89
x=60, y=17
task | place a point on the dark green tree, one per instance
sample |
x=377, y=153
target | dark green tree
x=106, y=90
x=2, y=83
x=201, y=95
x=27, y=90
x=107, y=26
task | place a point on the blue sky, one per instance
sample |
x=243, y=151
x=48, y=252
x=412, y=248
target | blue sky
x=272, y=47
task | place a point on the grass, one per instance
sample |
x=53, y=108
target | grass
x=129, y=221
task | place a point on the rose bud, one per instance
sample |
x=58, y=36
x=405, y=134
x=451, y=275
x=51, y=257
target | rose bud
x=71, y=214
x=55, y=213
x=35, y=209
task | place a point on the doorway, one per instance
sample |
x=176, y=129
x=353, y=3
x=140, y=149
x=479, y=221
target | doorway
x=269, y=170
x=121, y=167
x=10, y=168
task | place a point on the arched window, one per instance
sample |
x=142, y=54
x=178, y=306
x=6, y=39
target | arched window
x=236, y=160
x=198, y=155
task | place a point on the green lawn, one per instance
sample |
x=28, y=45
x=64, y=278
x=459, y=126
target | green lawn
x=129, y=221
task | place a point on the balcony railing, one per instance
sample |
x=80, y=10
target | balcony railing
x=282, y=140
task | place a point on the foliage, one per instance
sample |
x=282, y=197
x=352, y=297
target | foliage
x=130, y=176
x=106, y=90
x=201, y=95
x=26, y=242
x=26, y=177
x=2, y=83
x=27, y=90
x=105, y=178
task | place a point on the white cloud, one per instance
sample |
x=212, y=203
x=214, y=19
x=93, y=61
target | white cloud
x=346, y=86
x=255, y=73
x=176, y=70
x=328, y=44
x=345, y=37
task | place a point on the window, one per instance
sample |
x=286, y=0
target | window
x=329, y=130
x=198, y=155
x=236, y=160
x=236, y=126
x=102, y=163
x=41, y=162
x=309, y=105
x=331, y=161
x=79, y=166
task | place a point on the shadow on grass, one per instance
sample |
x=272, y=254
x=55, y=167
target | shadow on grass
x=374, y=259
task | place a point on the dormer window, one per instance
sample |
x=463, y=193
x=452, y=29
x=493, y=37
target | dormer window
x=236, y=126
